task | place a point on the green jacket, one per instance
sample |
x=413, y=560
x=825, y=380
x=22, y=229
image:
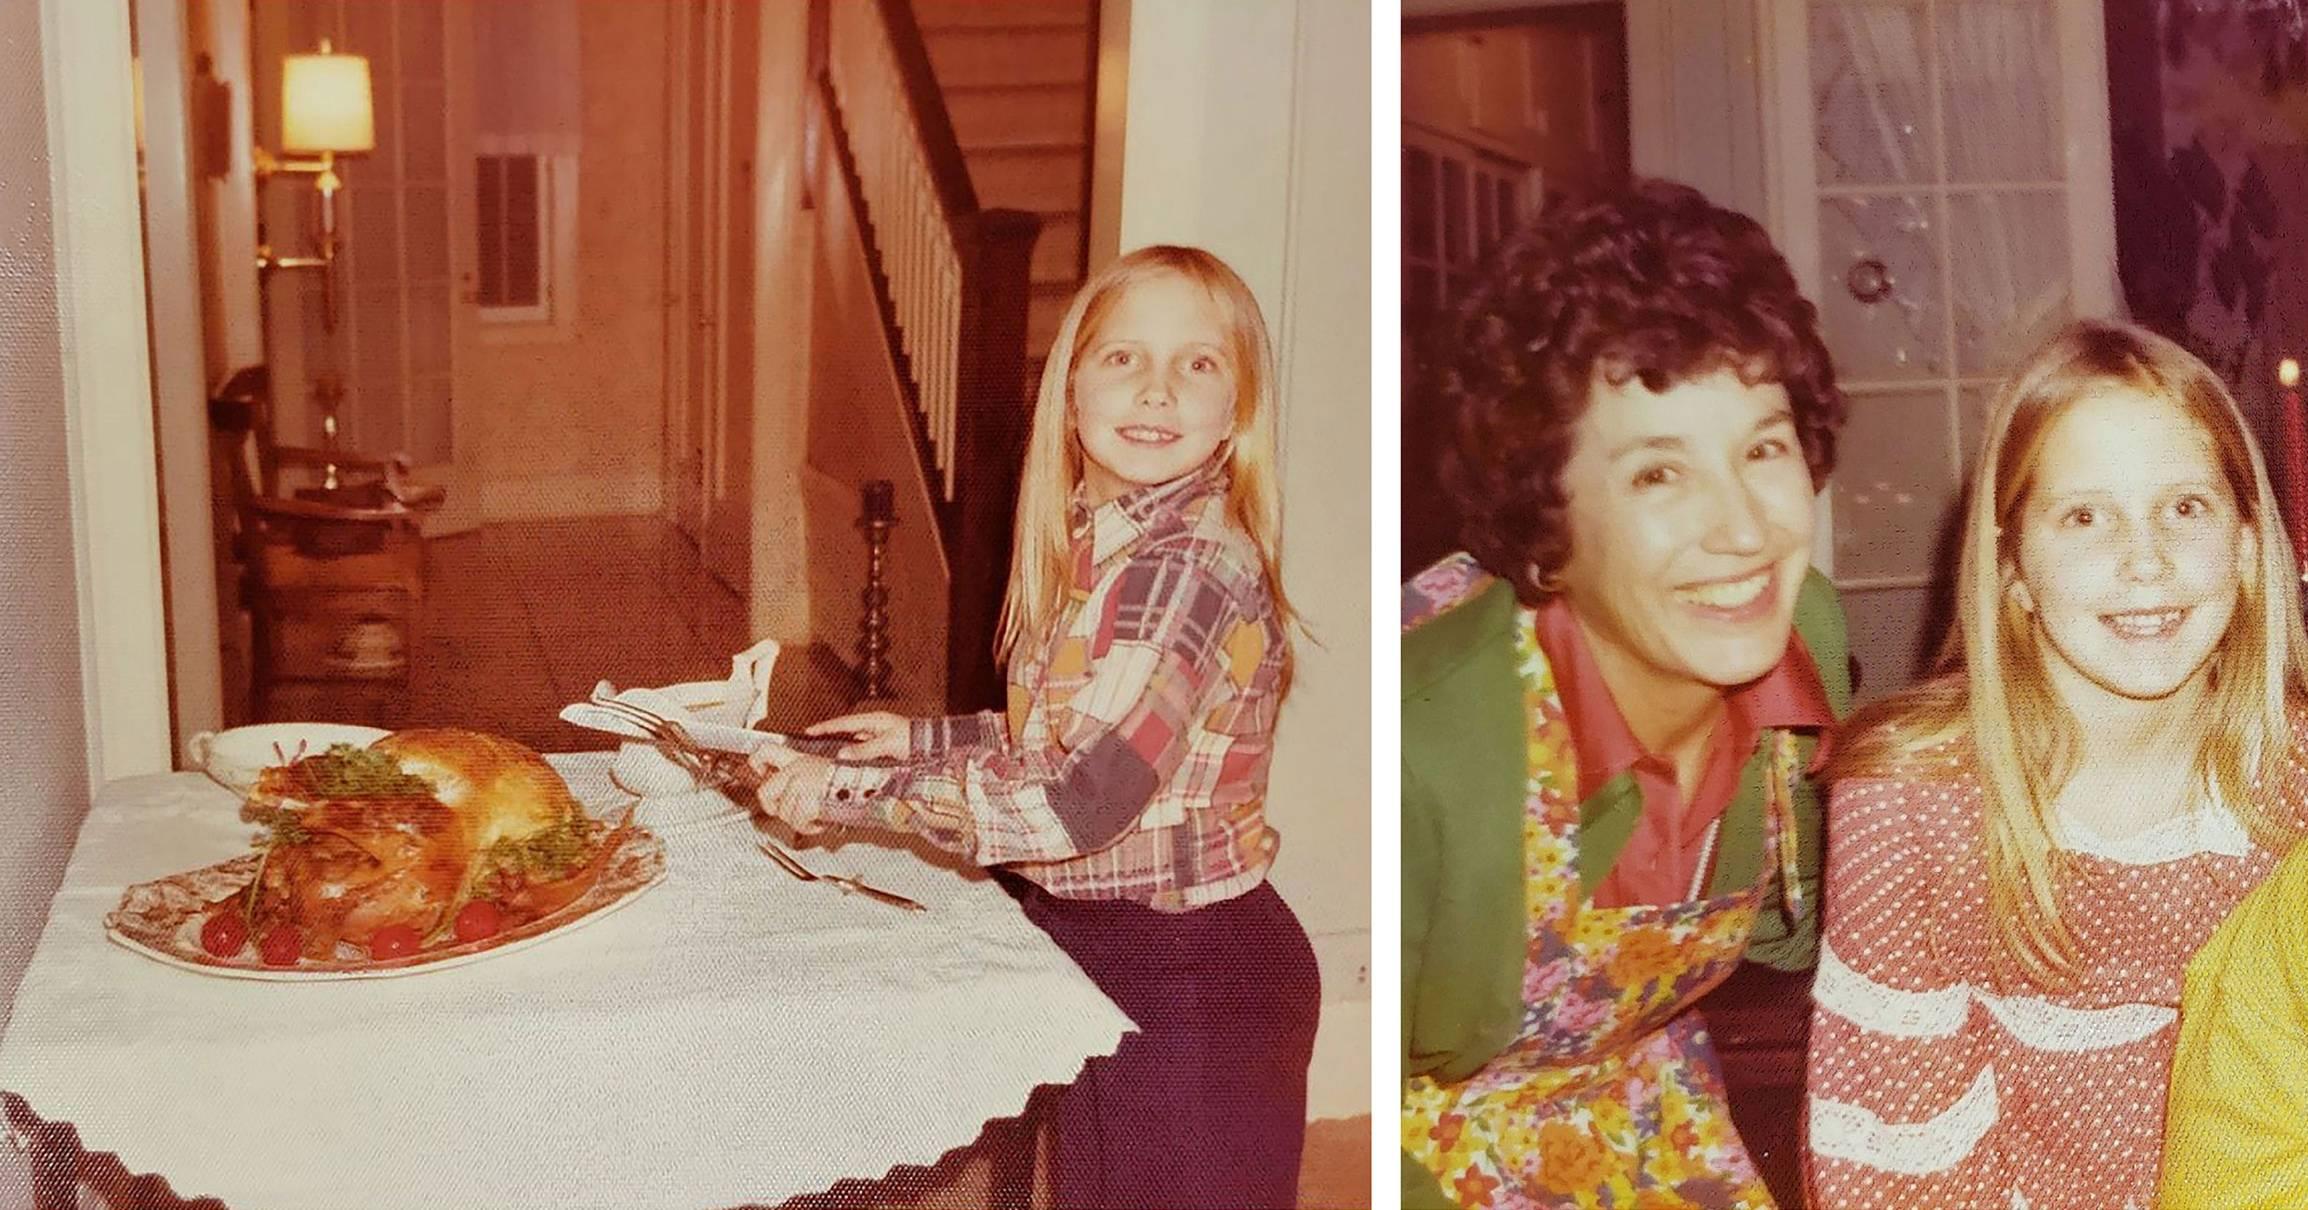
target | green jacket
x=1464, y=756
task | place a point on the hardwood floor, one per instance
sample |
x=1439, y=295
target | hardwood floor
x=520, y=619
x=1335, y=1172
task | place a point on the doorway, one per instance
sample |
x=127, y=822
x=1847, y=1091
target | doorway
x=506, y=310
x=1502, y=112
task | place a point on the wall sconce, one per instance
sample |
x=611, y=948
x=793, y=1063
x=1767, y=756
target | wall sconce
x=325, y=112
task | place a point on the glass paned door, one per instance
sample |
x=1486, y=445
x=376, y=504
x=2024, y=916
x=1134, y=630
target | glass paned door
x=378, y=354
x=1943, y=194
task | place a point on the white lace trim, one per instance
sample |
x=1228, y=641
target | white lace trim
x=2043, y=1025
x=2215, y=829
x=1847, y=1132
x=1887, y=1010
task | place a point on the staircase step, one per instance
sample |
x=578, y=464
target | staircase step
x=1007, y=14
x=965, y=56
x=1042, y=181
x=1000, y=144
x=993, y=112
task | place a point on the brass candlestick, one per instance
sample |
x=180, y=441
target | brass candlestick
x=873, y=644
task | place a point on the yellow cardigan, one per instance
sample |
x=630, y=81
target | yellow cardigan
x=2236, y=1125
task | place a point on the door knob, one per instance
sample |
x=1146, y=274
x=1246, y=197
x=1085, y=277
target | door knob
x=1869, y=280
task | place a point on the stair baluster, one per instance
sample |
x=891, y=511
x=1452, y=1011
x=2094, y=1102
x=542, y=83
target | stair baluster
x=873, y=643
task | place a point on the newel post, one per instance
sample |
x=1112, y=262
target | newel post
x=994, y=404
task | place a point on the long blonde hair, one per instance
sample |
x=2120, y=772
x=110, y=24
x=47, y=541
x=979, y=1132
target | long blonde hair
x=1039, y=564
x=1994, y=694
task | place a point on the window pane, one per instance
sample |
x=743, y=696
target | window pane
x=521, y=214
x=1454, y=213
x=489, y=223
x=1486, y=214
x=1419, y=300
x=1418, y=219
x=379, y=379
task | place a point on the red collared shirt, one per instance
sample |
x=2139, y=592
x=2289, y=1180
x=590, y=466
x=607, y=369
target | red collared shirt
x=1662, y=859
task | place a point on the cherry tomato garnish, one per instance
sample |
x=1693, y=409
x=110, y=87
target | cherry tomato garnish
x=282, y=945
x=478, y=919
x=393, y=941
x=225, y=934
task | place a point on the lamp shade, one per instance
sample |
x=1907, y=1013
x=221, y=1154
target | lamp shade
x=325, y=104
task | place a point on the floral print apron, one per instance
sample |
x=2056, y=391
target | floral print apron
x=1610, y=1095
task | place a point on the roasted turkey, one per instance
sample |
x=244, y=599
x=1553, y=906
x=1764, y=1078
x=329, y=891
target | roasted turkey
x=408, y=830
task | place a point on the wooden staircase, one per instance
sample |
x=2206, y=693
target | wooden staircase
x=908, y=253
x=1017, y=76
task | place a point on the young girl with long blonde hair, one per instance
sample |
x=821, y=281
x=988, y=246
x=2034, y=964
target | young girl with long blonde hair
x=2024, y=851
x=1121, y=797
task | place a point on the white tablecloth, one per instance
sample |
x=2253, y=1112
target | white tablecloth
x=733, y=1035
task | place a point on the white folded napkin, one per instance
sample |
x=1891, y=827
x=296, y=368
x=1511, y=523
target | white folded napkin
x=716, y=714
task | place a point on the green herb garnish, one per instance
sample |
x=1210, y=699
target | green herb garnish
x=545, y=856
x=345, y=771
x=282, y=826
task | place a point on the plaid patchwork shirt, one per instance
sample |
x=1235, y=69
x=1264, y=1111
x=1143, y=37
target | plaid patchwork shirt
x=1132, y=761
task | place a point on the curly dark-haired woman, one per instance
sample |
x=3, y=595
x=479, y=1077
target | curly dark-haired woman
x=1611, y=705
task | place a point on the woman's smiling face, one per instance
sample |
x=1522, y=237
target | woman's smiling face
x=1154, y=389
x=2131, y=551
x=1690, y=517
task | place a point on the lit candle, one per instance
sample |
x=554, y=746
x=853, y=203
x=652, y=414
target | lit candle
x=2292, y=455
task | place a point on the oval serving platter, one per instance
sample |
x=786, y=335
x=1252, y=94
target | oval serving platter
x=161, y=920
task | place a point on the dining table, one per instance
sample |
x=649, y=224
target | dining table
x=731, y=1035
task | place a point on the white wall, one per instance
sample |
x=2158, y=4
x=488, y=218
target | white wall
x=1695, y=84
x=779, y=596
x=81, y=638
x=46, y=791
x=571, y=424
x=1248, y=134
x=233, y=335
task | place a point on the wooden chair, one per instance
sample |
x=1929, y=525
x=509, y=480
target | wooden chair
x=330, y=550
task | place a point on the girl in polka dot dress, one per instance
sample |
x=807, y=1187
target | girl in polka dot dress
x=2024, y=852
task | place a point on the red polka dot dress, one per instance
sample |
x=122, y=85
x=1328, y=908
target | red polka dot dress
x=1935, y=1083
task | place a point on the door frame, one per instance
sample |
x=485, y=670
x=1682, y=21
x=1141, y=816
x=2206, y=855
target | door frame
x=726, y=545
x=180, y=372
x=710, y=266
x=108, y=403
x=687, y=210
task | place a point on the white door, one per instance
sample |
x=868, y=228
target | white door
x=1942, y=191
x=691, y=295
x=714, y=46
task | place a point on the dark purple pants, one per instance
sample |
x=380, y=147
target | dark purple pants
x=1205, y=1107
